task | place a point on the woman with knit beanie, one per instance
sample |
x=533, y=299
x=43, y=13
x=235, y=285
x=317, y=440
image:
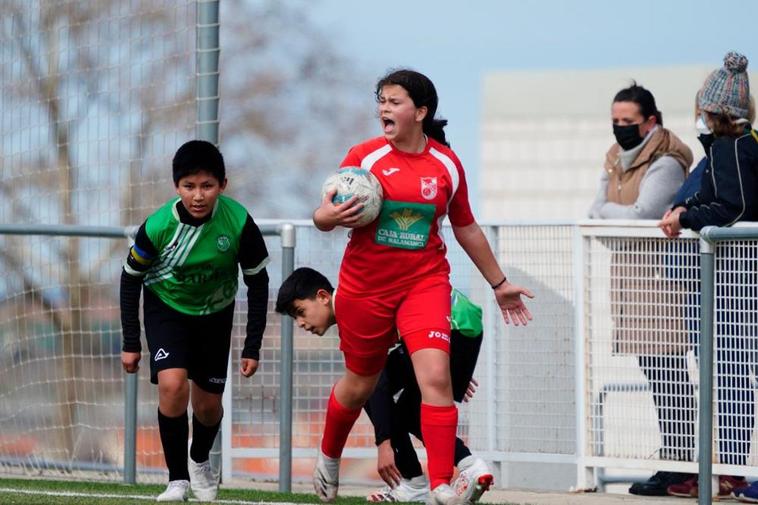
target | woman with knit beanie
x=642, y=172
x=728, y=194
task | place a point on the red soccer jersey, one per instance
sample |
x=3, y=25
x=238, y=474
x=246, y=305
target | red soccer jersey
x=405, y=242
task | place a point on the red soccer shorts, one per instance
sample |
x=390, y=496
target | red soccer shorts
x=369, y=326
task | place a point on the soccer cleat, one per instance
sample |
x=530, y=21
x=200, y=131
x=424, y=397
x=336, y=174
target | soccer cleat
x=326, y=477
x=686, y=489
x=408, y=490
x=727, y=485
x=474, y=479
x=444, y=495
x=203, y=482
x=658, y=483
x=176, y=490
x=747, y=494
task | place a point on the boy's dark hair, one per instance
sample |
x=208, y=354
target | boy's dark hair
x=302, y=284
x=195, y=156
x=643, y=98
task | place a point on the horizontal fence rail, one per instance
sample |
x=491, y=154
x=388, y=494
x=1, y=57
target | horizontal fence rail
x=605, y=376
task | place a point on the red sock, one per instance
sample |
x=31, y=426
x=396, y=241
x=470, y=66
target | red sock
x=438, y=427
x=339, y=422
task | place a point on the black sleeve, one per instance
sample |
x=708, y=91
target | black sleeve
x=131, y=288
x=464, y=352
x=397, y=375
x=253, y=255
x=253, y=258
x=733, y=180
x=379, y=408
x=141, y=255
x=257, y=306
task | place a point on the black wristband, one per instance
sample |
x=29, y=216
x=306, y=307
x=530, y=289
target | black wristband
x=500, y=283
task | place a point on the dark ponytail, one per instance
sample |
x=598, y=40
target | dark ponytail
x=421, y=90
x=643, y=98
x=434, y=129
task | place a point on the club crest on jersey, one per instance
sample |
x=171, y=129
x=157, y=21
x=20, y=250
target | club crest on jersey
x=428, y=187
x=223, y=243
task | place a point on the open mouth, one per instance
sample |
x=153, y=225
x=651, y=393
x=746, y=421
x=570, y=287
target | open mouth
x=388, y=125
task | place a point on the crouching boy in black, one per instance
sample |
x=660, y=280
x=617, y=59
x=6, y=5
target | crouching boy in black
x=307, y=296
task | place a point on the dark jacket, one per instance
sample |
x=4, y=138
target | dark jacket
x=729, y=189
x=691, y=184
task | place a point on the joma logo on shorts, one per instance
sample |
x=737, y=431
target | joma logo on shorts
x=439, y=334
x=217, y=380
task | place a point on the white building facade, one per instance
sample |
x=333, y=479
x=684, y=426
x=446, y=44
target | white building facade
x=545, y=134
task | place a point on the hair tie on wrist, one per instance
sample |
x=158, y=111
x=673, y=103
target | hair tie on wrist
x=500, y=283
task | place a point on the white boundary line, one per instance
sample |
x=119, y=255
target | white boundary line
x=74, y=494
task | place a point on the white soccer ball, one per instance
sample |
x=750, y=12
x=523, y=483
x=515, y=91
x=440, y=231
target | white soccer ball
x=356, y=181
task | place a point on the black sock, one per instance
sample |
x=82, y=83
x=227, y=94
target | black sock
x=202, y=439
x=461, y=451
x=174, y=434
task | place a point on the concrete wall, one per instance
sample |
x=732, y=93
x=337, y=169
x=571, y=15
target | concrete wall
x=545, y=134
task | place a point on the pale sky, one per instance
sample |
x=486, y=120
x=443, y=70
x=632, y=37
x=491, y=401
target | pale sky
x=456, y=43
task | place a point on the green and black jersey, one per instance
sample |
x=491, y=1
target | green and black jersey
x=192, y=265
x=465, y=315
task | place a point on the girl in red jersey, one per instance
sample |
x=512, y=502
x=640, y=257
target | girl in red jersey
x=394, y=277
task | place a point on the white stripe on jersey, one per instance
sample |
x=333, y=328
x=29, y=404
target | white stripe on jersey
x=178, y=256
x=451, y=169
x=166, y=255
x=440, y=220
x=255, y=270
x=368, y=161
x=455, y=180
x=131, y=271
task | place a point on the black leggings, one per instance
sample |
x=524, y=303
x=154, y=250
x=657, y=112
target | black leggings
x=674, y=398
x=408, y=408
x=735, y=399
x=397, y=419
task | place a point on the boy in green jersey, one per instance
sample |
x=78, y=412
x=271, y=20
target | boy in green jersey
x=187, y=255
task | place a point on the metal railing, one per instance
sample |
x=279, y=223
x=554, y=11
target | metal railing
x=576, y=400
x=710, y=238
x=680, y=266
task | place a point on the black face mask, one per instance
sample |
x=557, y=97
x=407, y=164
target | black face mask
x=706, y=139
x=627, y=136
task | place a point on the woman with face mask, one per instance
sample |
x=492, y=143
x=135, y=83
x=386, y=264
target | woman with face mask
x=646, y=165
x=641, y=174
x=729, y=190
x=727, y=193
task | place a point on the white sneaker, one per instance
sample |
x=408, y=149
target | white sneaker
x=175, y=491
x=409, y=490
x=474, y=479
x=326, y=477
x=203, y=481
x=444, y=495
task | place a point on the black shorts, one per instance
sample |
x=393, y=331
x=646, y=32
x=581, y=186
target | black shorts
x=199, y=344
